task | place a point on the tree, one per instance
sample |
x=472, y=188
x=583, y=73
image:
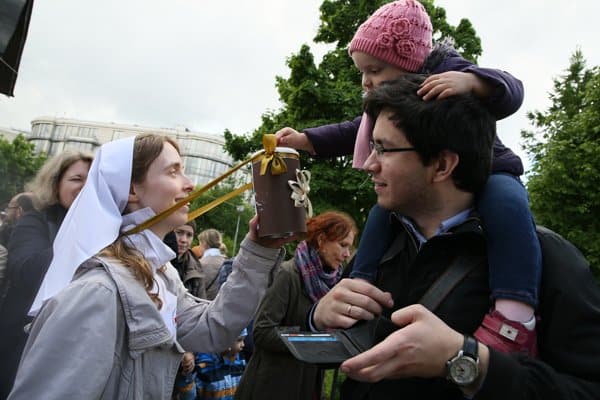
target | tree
x=565, y=175
x=18, y=164
x=315, y=95
x=224, y=218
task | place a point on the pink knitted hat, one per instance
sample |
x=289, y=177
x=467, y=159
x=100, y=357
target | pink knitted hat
x=398, y=33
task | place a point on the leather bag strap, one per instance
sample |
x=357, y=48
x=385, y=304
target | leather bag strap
x=454, y=274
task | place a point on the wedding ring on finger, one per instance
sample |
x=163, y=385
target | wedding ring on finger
x=349, y=310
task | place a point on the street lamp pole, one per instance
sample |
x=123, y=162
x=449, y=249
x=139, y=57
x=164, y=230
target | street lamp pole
x=239, y=209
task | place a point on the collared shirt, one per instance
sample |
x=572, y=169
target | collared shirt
x=444, y=227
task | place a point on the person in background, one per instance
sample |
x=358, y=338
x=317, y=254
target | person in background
x=112, y=281
x=190, y=273
x=185, y=381
x=214, y=375
x=30, y=251
x=186, y=264
x=316, y=267
x=211, y=260
x=218, y=375
x=18, y=206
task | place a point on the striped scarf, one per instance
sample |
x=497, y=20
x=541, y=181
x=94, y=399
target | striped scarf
x=316, y=281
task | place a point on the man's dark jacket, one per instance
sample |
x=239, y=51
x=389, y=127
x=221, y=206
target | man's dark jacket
x=568, y=331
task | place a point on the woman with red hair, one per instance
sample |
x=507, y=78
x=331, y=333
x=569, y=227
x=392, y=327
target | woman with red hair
x=299, y=283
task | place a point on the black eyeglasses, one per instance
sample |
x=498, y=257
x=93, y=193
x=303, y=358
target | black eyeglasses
x=379, y=149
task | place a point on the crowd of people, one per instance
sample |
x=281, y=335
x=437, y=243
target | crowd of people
x=96, y=304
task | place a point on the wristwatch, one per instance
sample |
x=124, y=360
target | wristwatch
x=463, y=369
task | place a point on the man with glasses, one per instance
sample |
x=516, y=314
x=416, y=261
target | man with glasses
x=428, y=160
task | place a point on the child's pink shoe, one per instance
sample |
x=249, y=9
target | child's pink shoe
x=507, y=336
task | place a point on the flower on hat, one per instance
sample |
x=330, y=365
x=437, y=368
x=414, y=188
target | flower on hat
x=385, y=40
x=405, y=47
x=400, y=27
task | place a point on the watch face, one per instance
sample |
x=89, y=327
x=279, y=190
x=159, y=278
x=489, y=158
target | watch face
x=463, y=370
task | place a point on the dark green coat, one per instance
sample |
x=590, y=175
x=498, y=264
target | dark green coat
x=273, y=373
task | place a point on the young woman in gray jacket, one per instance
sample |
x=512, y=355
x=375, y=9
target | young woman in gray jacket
x=113, y=317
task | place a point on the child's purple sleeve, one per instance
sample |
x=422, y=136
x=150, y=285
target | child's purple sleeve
x=335, y=139
x=507, y=96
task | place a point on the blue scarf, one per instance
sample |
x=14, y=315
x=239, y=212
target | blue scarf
x=316, y=281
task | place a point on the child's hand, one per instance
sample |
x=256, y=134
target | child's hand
x=289, y=137
x=187, y=363
x=452, y=83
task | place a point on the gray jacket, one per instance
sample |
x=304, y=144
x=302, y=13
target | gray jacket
x=103, y=338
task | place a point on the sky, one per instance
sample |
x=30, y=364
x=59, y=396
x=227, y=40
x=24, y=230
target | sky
x=211, y=65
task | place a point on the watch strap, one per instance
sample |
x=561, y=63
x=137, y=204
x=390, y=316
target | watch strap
x=470, y=347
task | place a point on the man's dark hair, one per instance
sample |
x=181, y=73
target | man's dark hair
x=25, y=202
x=457, y=123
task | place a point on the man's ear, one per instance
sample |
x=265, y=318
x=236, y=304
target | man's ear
x=446, y=162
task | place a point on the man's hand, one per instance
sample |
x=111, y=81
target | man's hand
x=289, y=137
x=419, y=349
x=452, y=83
x=349, y=301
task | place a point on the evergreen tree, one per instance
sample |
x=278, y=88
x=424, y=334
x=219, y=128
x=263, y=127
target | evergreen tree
x=563, y=185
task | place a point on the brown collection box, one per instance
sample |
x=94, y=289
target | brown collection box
x=278, y=216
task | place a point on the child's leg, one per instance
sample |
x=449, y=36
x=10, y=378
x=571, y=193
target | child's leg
x=374, y=241
x=514, y=253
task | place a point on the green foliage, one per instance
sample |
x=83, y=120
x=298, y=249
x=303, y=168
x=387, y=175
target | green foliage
x=18, y=164
x=332, y=384
x=224, y=218
x=565, y=177
x=330, y=92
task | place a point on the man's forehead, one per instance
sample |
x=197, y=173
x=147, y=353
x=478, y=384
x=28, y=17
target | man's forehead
x=385, y=131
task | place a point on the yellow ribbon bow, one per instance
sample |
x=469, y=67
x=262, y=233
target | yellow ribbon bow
x=300, y=188
x=278, y=166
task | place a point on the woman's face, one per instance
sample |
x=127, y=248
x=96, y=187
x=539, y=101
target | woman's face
x=185, y=235
x=71, y=182
x=164, y=185
x=333, y=253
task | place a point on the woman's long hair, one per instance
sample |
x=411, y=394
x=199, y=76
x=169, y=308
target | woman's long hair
x=46, y=181
x=146, y=149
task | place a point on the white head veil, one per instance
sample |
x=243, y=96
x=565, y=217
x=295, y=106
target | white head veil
x=93, y=220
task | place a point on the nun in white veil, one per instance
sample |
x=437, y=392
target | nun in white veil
x=112, y=316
